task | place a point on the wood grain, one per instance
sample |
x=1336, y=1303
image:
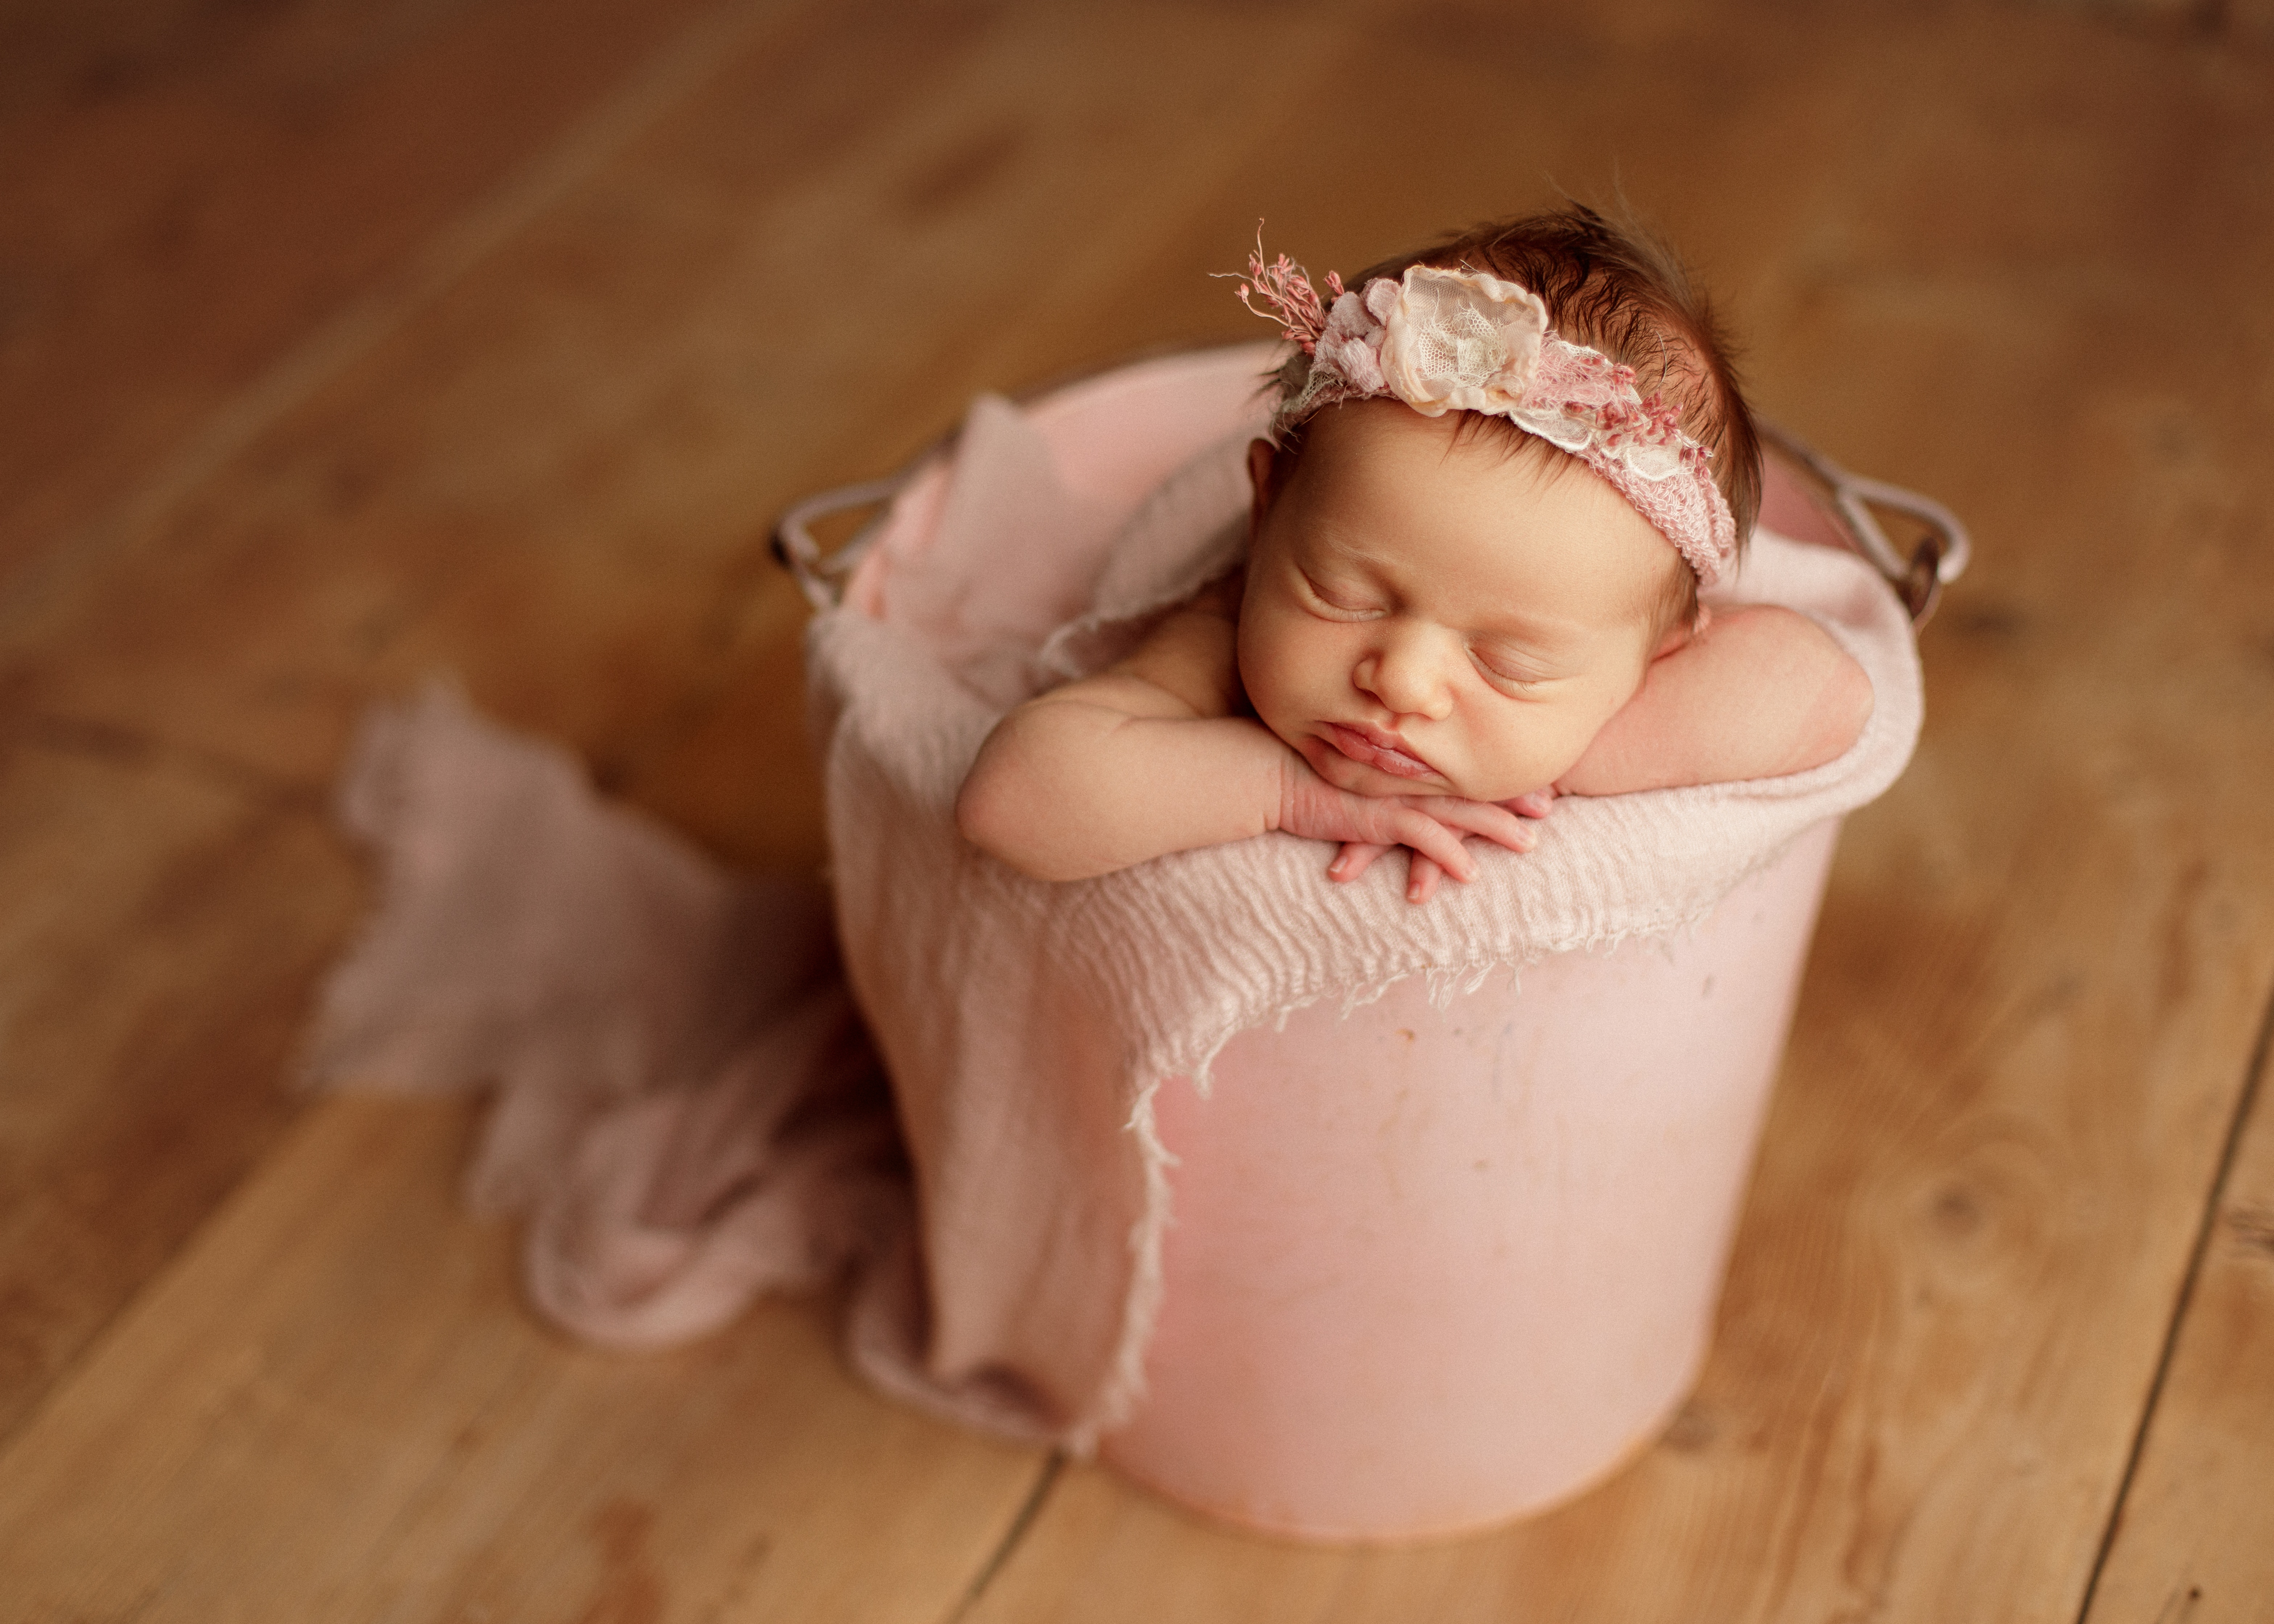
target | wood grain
x=333, y=1408
x=137, y=1084
x=2194, y=1544
x=194, y=191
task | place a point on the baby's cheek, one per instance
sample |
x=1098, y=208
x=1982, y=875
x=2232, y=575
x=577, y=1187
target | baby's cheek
x=1270, y=672
x=1578, y=737
x=1251, y=663
x=1534, y=755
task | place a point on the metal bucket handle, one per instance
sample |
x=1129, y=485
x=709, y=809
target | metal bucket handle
x=822, y=577
x=1941, y=555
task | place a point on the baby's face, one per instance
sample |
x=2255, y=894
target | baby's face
x=1423, y=617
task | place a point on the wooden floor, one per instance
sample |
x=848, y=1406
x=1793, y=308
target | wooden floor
x=342, y=343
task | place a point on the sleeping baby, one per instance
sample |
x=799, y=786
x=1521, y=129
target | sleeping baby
x=1498, y=475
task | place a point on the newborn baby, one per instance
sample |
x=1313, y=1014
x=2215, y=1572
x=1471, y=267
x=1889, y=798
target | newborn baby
x=1475, y=549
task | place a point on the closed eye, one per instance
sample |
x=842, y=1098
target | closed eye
x=1342, y=603
x=1510, y=674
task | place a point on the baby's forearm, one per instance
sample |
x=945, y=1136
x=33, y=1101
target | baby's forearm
x=1084, y=782
x=1764, y=693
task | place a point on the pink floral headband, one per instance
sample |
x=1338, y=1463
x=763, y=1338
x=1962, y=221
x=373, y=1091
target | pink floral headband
x=1443, y=341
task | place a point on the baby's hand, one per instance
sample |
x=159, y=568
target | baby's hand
x=1433, y=826
x=1424, y=871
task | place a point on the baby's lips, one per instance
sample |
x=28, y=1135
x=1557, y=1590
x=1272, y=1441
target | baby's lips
x=1367, y=751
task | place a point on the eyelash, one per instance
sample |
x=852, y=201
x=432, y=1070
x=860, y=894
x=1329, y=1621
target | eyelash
x=1522, y=685
x=1319, y=594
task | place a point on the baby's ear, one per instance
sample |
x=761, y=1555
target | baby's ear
x=1263, y=480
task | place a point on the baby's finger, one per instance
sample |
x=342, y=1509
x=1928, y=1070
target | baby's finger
x=1431, y=839
x=1355, y=858
x=1489, y=819
x=1421, y=876
x=1535, y=805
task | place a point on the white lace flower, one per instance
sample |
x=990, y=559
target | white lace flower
x=1458, y=340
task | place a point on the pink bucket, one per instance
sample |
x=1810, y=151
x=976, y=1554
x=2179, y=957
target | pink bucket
x=1430, y=1268
x=1433, y=1268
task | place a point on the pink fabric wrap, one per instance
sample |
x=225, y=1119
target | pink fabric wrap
x=686, y=1109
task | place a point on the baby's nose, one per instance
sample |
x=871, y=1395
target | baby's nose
x=1407, y=674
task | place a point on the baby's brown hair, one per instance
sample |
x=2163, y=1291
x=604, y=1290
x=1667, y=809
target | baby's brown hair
x=1618, y=290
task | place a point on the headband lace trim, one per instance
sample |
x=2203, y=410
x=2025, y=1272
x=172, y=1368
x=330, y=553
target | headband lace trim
x=1446, y=340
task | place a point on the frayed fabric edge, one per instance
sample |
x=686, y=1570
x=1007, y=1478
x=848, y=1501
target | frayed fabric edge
x=1125, y=1384
x=370, y=800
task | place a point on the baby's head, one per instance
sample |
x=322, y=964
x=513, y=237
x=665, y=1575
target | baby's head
x=1474, y=526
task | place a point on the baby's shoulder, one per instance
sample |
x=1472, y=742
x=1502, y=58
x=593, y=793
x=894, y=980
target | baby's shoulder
x=1779, y=695
x=1193, y=651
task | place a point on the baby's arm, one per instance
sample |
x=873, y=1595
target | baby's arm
x=1147, y=759
x=1124, y=766
x=1764, y=692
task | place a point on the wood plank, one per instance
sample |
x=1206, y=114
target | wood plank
x=193, y=191
x=2194, y=1544
x=2044, y=954
x=334, y=1407
x=137, y=1084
